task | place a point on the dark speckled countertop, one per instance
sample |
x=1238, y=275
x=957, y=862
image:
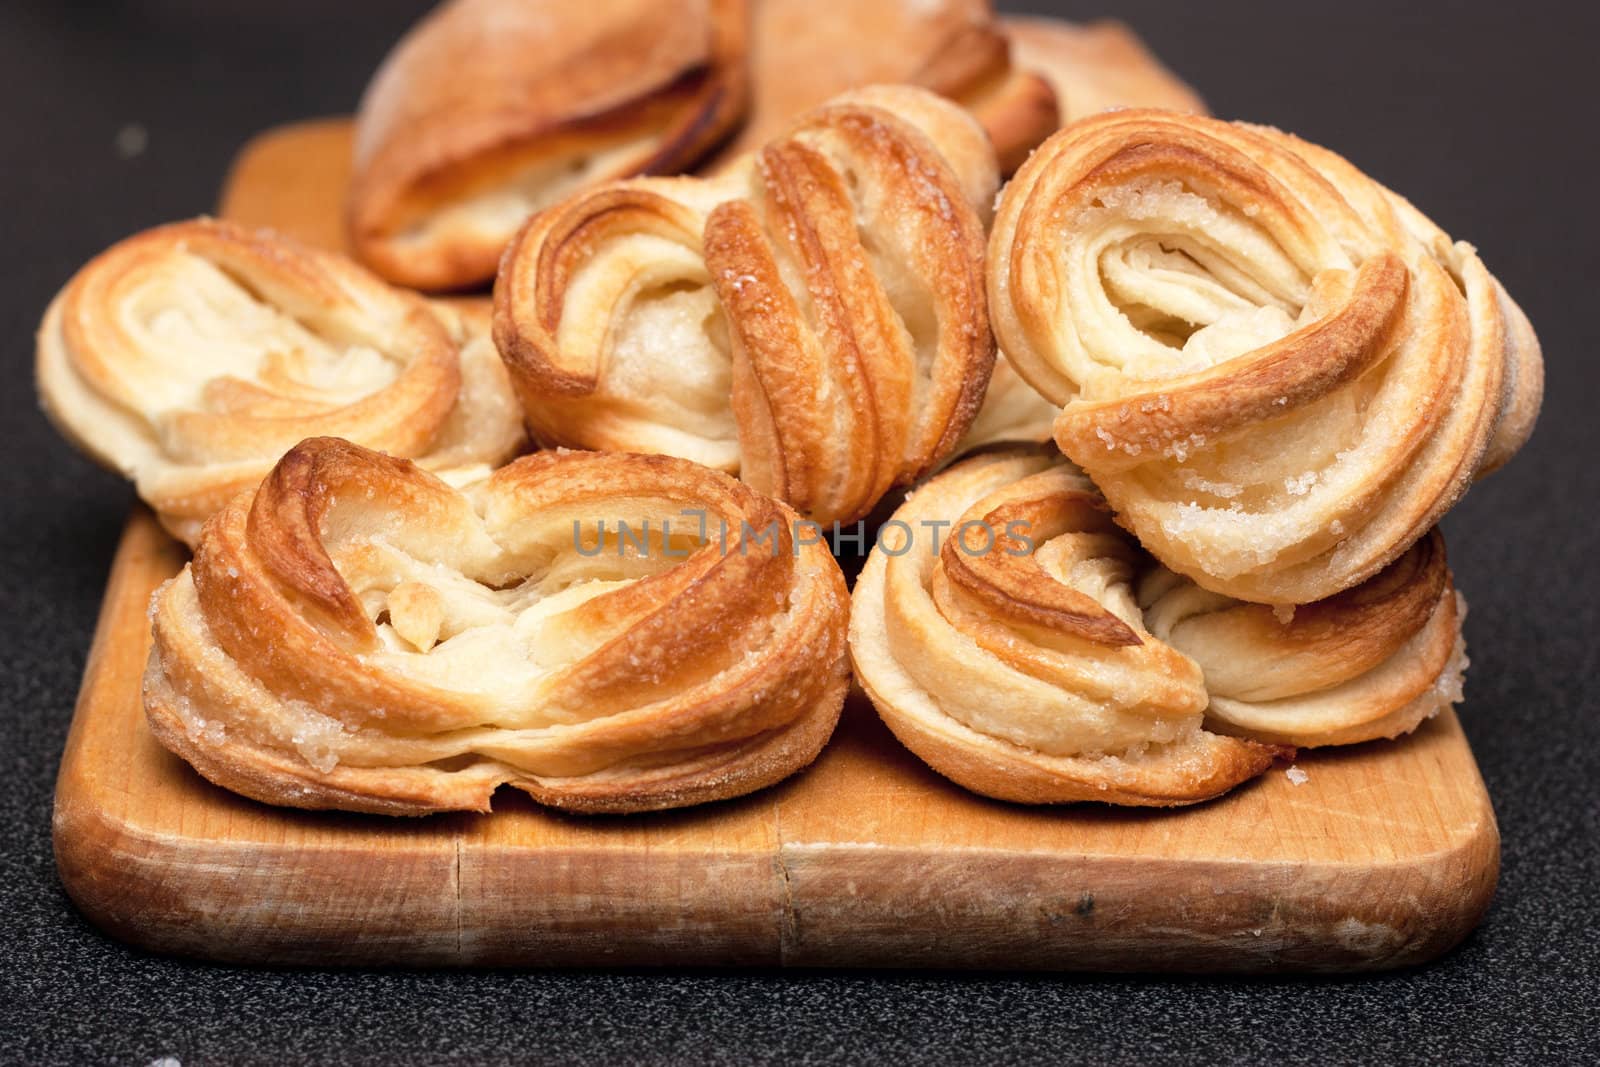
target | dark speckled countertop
x=1482, y=113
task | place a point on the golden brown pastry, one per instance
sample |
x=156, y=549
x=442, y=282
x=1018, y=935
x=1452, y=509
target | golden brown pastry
x=813, y=320
x=995, y=628
x=1038, y=654
x=803, y=54
x=357, y=634
x=191, y=356
x=1092, y=68
x=491, y=109
x=1096, y=66
x=1279, y=372
x=1370, y=662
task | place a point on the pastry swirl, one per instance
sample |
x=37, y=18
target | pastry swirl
x=814, y=320
x=1279, y=372
x=1370, y=662
x=191, y=356
x=491, y=109
x=1092, y=68
x=1014, y=659
x=357, y=634
x=1040, y=655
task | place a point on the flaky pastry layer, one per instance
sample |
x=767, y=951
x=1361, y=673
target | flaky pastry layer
x=357, y=634
x=813, y=320
x=489, y=110
x=191, y=356
x=804, y=55
x=1022, y=644
x=1279, y=372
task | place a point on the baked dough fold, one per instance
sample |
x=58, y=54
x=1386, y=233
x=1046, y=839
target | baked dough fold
x=1013, y=658
x=193, y=355
x=1024, y=646
x=489, y=110
x=1279, y=372
x=1370, y=662
x=804, y=54
x=1092, y=67
x=357, y=634
x=1096, y=66
x=813, y=320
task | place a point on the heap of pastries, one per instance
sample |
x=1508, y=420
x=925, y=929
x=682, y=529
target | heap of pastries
x=1237, y=385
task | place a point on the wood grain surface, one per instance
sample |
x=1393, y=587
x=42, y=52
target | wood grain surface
x=1386, y=855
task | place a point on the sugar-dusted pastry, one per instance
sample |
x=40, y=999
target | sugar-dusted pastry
x=802, y=54
x=491, y=109
x=605, y=632
x=1370, y=662
x=996, y=629
x=1096, y=66
x=1025, y=646
x=191, y=356
x=813, y=320
x=1278, y=371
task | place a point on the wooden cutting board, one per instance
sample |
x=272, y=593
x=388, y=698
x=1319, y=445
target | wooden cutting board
x=1386, y=855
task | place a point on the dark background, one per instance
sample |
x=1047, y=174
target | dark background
x=1483, y=114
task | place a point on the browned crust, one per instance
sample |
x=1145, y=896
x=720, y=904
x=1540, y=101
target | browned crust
x=1355, y=667
x=466, y=101
x=530, y=292
x=999, y=769
x=764, y=762
x=1007, y=594
x=1360, y=627
x=107, y=381
x=973, y=66
x=1307, y=364
x=1009, y=583
x=798, y=252
x=272, y=777
x=1017, y=114
x=803, y=57
x=1402, y=318
x=264, y=614
x=809, y=218
x=1096, y=65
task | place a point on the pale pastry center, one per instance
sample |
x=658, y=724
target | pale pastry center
x=200, y=325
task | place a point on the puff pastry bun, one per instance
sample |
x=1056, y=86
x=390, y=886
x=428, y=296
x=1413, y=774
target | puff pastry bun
x=1019, y=642
x=1278, y=371
x=491, y=109
x=814, y=320
x=805, y=53
x=191, y=356
x=357, y=634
